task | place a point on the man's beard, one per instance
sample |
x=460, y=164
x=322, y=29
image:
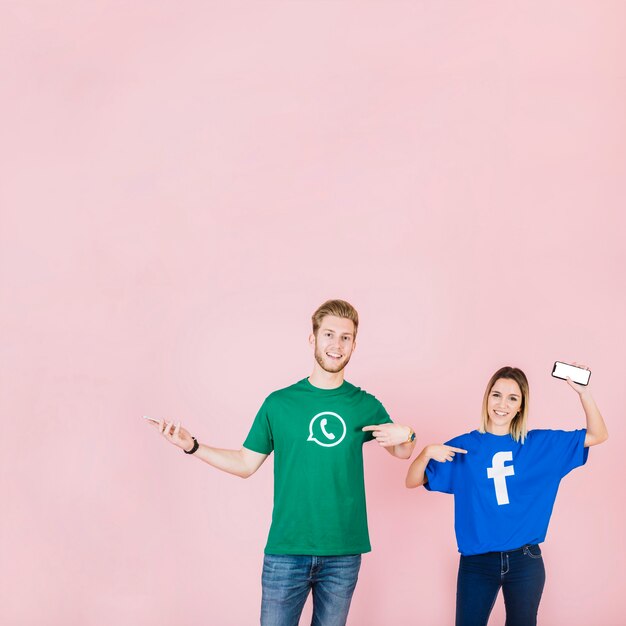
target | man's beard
x=334, y=368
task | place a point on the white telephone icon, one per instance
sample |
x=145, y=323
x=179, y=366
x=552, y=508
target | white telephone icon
x=326, y=438
x=323, y=423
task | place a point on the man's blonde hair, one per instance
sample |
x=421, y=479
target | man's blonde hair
x=518, y=428
x=338, y=308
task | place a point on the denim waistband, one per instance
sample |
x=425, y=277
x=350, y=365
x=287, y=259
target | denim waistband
x=524, y=547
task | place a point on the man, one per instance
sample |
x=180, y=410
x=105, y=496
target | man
x=316, y=429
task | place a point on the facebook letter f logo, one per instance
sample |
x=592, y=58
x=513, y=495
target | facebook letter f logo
x=498, y=472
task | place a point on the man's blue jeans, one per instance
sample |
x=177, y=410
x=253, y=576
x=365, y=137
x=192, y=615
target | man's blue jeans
x=287, y=580
x=521, y=575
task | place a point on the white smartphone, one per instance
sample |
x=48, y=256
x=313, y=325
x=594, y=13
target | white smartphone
x=578, y=374
x=151, y=419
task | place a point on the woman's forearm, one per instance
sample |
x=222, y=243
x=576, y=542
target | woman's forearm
x=596, y=428
x=416, y=475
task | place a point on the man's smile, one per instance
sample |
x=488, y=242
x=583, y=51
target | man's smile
x=334, y=355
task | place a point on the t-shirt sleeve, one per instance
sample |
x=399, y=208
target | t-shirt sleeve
x=380, y=416
x=568, y=449
x=442, y=476
x=260, y=437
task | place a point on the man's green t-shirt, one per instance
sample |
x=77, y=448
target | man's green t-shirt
x=319, y=489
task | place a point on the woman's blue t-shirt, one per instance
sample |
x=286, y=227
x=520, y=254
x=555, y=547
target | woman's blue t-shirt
x=504, y=491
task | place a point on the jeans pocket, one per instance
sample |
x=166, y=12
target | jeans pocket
x=533, y=551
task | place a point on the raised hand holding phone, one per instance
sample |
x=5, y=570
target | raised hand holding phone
x=577, y=375
x=173, y=432
x=575, y=372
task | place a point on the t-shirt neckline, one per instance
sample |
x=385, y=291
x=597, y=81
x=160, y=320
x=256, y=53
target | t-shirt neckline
x=491, y=435
x=327, y=392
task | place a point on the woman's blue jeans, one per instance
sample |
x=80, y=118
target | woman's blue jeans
x=288, y=579
x=521, y=575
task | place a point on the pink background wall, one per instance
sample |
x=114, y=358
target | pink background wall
x=183, y=183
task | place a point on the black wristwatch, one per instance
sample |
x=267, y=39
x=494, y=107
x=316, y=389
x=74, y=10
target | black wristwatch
x=196, y=445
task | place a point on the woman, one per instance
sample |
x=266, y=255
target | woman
x=504, y=480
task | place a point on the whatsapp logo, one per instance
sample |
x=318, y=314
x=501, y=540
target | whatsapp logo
x=327, y=429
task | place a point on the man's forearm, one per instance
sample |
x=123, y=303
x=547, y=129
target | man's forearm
x=230, y=461
x=403, y=450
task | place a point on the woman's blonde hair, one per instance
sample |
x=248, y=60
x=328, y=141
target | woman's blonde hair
x=518, y=427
